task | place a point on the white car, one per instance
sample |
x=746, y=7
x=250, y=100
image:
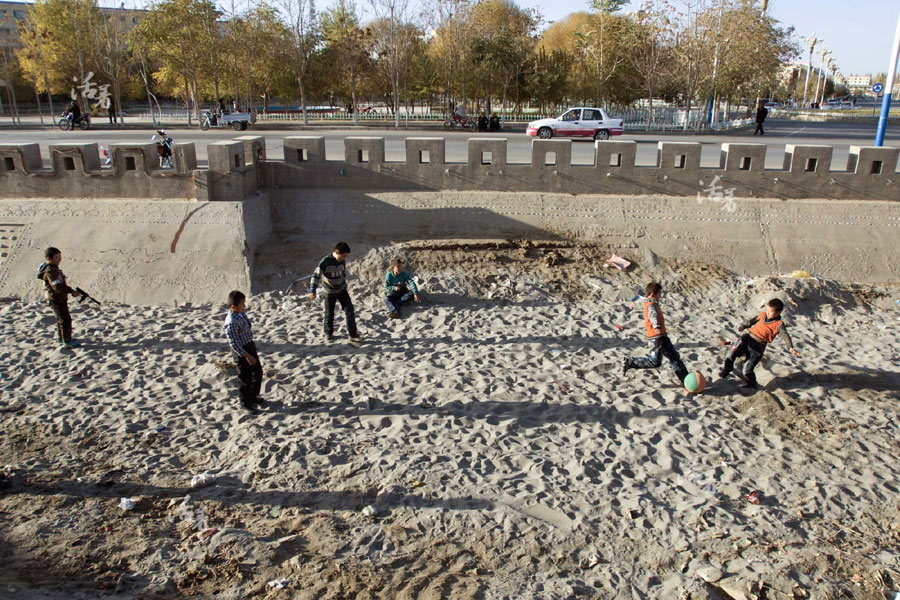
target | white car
x=578, y=122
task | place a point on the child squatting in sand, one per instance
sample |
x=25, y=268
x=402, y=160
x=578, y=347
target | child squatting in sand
x=660, y=345
x=752, y=344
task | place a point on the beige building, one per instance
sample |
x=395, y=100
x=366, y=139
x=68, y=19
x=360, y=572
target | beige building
x=11, y=13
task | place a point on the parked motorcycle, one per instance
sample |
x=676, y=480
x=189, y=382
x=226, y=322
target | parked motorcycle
x=457, y=122
x=83, y=122
x=163, y=148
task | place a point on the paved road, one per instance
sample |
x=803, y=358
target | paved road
x=778, y=133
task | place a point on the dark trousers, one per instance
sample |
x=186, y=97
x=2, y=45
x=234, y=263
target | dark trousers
x=397, y=299
x=660, y=347
x=63, y=319
x=759, y=129
x=347, y=305
x=250, y=375
x=753, y=350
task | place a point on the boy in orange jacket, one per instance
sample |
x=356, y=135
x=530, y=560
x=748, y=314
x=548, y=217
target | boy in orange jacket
x=763, y=330
x=660, y=345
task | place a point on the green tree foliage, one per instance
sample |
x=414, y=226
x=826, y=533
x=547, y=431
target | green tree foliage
x=183, y=39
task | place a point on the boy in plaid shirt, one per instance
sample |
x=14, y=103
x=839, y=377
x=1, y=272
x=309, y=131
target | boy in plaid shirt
x=240, y=339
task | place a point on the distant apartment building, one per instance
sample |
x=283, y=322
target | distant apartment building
x=12, y=13
x=859, y=84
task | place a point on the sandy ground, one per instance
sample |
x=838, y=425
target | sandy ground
x=490, y=429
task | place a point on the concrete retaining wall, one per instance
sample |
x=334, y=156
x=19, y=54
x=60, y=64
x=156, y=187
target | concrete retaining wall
x=845, y=240
x=135, y=252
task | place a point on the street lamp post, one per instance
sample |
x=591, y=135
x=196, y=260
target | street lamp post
x=819, y=75
x=889, y=88
x=812, y=45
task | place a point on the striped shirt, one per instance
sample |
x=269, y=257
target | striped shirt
x=238, y=331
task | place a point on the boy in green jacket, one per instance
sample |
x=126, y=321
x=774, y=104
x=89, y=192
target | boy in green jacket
x=399, y=287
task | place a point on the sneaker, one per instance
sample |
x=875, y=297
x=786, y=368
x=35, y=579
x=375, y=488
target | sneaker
x=72, y=344
x=722, y=374
x=260, y=402
x=327, y=337
x=749, y=386
x=394, y=315
x=356, y=339
x=625, y=366
x=248, y=406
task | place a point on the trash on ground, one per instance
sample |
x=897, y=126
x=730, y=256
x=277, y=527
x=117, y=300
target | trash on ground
x=800, y=275
x=202, y=480
x=127, y=503
x=415, y=483
x=279, y=584
x=753, y=497
x=618, y=262
x=710, y=574
x=370, y=511
x=206, y=533
x=154, y=431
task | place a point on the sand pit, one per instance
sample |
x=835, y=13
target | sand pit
x=490, y=428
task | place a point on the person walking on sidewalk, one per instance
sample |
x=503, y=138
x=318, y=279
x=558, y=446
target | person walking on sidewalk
x=761, y=113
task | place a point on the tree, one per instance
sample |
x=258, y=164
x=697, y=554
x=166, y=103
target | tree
x=501, y=45
x=305, y=35
x=176, y=35
x=392, y=38
x=650, y=47
x=340, y=26
x=59, y=43
x=602, y=45
x=694, y=50
x=450, y=45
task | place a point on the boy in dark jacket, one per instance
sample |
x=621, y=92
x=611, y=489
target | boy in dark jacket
x=660, y=345
x=763, y=329
x=58, y=295
x=331, y=274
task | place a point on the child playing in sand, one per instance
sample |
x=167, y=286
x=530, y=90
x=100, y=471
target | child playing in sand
x=58, y=292
x=399, y=288
x=332, y=275
x=763, y=330
x=240, y=339
x=660, y=345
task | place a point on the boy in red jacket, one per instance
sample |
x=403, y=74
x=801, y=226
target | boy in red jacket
x=660, y=345
x=763, y=330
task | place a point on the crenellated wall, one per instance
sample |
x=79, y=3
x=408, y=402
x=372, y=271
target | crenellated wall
x=200, y=235
x=240, y=167
x=870, y=175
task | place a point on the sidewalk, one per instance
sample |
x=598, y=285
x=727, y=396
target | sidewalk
x=34, y=123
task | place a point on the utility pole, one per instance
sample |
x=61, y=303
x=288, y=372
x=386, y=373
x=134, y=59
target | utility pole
x=888, y=88
x=812, y=45
x=819, y=75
